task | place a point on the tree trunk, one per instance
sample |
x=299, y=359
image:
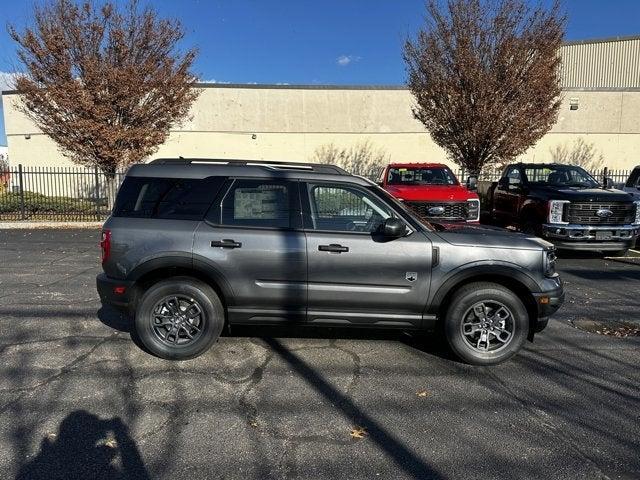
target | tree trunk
x=110, y=188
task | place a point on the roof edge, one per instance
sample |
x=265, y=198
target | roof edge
x=619, y=38
x=278, y=86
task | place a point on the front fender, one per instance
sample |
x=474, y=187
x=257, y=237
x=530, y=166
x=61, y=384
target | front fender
x=484, y=269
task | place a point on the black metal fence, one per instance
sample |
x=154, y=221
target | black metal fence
x=85, y=194
x=56, y=193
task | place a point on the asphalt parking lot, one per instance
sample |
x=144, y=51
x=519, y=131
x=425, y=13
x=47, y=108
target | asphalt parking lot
x=79, y=399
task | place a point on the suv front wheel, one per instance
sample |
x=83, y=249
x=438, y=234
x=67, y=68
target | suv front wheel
x=486, y=323
x=179, y=318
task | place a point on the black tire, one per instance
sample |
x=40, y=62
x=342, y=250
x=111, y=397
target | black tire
x=461, y=310
x=531, y=227
x=205, y=328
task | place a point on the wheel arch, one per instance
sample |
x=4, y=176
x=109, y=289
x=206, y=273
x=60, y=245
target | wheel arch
x=511, y=279
x=155, y=270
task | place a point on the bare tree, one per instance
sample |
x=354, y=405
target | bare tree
x=105, y=84
x=582, y=154
x=486, y=77
x=360, y=159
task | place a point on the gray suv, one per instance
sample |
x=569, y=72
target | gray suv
x=193, y=245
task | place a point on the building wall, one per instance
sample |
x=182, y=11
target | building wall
x=602, y=64
x=292, y=122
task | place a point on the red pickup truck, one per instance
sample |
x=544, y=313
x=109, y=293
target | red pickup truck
x=432, y=191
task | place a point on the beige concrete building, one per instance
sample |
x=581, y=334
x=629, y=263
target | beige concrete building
x=601, y=106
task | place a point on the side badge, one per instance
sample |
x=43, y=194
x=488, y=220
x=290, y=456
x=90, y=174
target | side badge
x=411, y=276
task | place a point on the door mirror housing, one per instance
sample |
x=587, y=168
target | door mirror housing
x=394, y=228
x=608, y=182
x=472, y=183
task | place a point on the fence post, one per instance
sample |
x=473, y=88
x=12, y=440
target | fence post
x=21, y=184
x=97, y=179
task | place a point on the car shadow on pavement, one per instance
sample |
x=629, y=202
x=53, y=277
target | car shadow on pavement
x=86, y=447
x=430, y=343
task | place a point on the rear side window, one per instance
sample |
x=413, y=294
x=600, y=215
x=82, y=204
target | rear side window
x=259, y=203
x=168, y=198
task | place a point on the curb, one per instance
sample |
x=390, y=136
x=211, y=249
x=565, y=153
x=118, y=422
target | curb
x=48, y=225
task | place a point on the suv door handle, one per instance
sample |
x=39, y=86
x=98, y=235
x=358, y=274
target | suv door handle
x=334, y=248
x=226, y=243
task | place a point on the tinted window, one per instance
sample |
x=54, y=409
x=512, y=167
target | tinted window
x=258, y=203
x=347, y=209
x=560, y=176
x=171, y=198
x=421, y=176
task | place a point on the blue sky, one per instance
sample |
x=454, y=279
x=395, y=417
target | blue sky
x=311, y=42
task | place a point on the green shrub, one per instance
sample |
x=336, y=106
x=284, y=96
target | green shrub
x=37, y=203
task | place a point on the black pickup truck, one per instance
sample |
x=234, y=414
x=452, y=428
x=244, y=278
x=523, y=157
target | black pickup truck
x=563, y=204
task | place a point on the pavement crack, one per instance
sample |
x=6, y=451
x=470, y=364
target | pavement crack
x=63, y=370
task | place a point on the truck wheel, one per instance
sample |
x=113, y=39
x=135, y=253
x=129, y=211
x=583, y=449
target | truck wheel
x=486, y=323
x=531, y=227
x=179, y=318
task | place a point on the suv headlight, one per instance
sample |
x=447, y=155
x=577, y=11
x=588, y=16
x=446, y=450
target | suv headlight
x=556, y=211
x=637, y=220
x=549, y=262
x=473, y=210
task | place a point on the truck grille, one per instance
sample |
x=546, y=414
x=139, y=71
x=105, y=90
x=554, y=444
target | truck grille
x=452, y=211
x=586, y=213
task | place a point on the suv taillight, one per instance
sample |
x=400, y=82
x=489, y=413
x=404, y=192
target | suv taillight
x=105, y=245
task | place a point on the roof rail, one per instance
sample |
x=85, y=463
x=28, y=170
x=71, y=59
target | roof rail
x=311, y=167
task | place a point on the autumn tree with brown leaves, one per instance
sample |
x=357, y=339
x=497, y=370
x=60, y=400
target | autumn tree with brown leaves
x=105, y=84
x=485, y=75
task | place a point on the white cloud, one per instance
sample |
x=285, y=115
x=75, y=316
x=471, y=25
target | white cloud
x=344, y=60
x=7, y=80
x=213, y=80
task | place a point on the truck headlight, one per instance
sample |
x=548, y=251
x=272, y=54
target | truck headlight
x=473, y=210
x=637, y=220
x=549, y=262
x=556, y=211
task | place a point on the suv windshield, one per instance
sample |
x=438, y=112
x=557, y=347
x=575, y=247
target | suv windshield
x=421, y=176
x=560, y=176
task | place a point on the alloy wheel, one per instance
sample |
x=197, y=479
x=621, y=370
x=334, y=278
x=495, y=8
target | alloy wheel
x=177, y=320
x=488, y=326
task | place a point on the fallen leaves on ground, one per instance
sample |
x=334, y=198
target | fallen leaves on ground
x=111, y=443
x=358, y=432
x=422, y=393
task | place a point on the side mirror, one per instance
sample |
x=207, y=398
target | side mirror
x=394, y=228
x=503, y=183
x=472, y=183
x=608, y=182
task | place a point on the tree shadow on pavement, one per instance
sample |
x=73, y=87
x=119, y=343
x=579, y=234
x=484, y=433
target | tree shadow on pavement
x=404, y=457
x=86, y=447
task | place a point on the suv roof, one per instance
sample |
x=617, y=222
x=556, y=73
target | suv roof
x=206, y=167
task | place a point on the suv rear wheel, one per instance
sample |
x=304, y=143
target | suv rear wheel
x=486, y=323
x=179, y=318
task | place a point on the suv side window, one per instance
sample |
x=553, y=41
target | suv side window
x=260, y=203
x=345, y=208
x=167, y=198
